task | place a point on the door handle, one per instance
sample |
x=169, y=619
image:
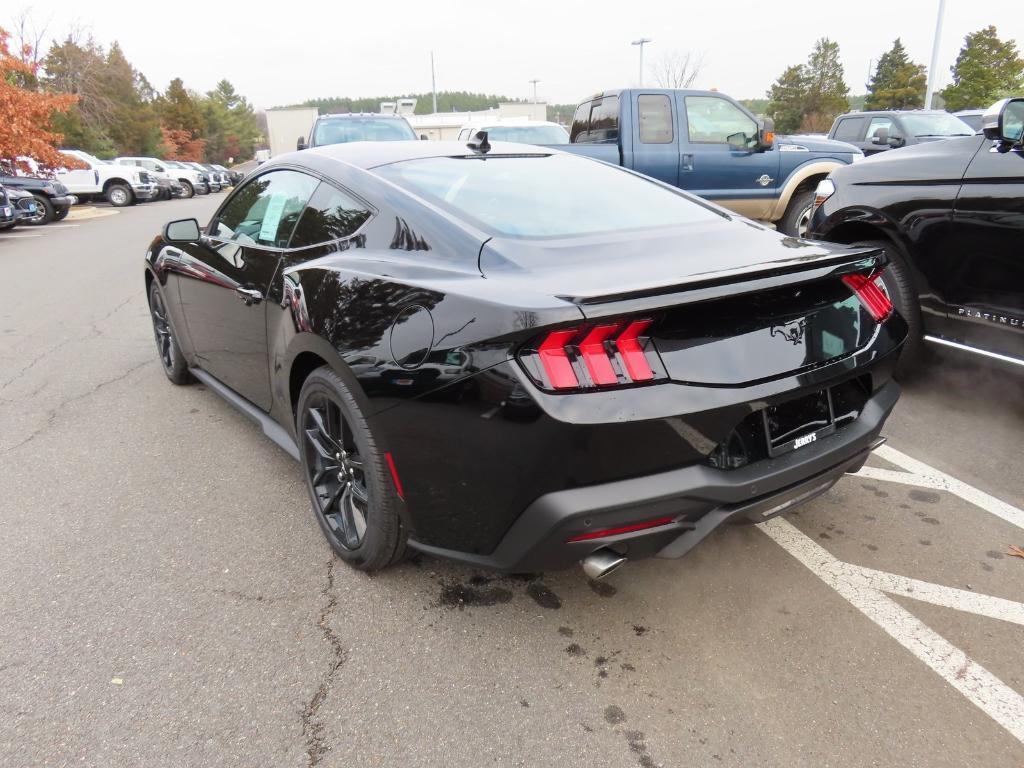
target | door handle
x=249, y=295
x=686, y=162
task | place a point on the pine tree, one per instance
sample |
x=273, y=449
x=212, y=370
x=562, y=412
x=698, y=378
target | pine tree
x=898, y=83
x=827, y=91
x=986, y=70
x=787, y=97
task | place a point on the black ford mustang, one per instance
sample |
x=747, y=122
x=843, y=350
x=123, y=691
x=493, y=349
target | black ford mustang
x=521, y=359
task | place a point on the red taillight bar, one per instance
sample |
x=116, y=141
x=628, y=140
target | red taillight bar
x=632, y=353
x=659, y=521
x=596, y=356
x=555, y=359
x=871, y=295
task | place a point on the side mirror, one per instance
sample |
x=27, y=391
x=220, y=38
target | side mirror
x=896, y=141
x=881, y=137
x=301, y=143
x=423, y=137
x=182, y=231
x=766, y=135
x=1004, y=121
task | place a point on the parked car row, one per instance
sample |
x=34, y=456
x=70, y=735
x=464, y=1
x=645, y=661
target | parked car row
x=40, y=196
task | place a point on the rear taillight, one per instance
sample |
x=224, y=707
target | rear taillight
x=871, y=294
x=593, y=356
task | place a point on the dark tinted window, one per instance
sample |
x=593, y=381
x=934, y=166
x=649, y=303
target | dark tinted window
x=264, y=210
x=345, y=129
x=655, y=119
x=604, y=120
x=329, y=215
x=580, y=123
x=849, y=129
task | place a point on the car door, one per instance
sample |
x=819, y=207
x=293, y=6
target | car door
x=224, y=279
x=738, y=177
x=79, y=180
x=986, y=282
x=656, y=137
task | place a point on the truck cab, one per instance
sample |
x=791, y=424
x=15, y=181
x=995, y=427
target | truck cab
x=874, y=132
x=708, y=143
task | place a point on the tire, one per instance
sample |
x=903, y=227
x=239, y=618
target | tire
x=358, y=515
x=190, y=191
x=8, y=227
x=61, y=213
x=119, y=195
x=49, y=214
x=171, y=358
x=798, y=215
x=900, y=286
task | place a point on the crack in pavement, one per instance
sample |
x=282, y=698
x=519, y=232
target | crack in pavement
x=51, y=416
x=312, y=727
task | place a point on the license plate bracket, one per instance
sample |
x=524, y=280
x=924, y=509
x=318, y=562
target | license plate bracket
x=798, y=422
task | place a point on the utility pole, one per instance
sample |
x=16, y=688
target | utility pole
x=433, y=81
x=535, y=81
x=641, y=42
x=930, y=90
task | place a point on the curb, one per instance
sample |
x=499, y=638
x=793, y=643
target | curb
x=89, y=212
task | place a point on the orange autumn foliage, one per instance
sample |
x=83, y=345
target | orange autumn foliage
x=25, y=128
x=181, y=145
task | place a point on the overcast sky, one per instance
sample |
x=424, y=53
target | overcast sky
x=306, y=49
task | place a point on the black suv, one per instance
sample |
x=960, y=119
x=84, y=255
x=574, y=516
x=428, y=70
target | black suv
x=874, y=132
x=53, y=197
x=342, y=129
x=950, y=216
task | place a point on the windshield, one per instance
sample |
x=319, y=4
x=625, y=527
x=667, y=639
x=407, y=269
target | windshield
x=346, y=129
x=938, y=124
x=527, y=134
x=87, y=157
x=172, y=164
x=544, y=195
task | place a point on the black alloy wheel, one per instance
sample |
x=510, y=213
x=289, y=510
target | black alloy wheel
x=350, y=489
x=44, y=205
x=171, y=359
x=61, y=213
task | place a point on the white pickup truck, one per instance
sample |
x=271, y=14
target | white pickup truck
x=119, y=185
x=192, y=181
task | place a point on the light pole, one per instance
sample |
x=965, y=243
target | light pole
x=930, y=89
x=535, y=81
x=641, y=42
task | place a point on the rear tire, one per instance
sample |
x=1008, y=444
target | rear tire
x=798, y=215
x=120, y=195
x=47, y=208
x=349, y=483
x=900, y=286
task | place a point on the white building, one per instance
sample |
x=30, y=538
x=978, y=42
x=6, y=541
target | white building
x=444, y=126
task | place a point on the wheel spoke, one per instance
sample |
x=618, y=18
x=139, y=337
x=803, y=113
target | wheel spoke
x=322, y=428
x=360, y=494
x=353, y=520
x=326, y=453
x=355, y=462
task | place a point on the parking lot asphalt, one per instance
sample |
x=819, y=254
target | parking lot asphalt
x=168, y=598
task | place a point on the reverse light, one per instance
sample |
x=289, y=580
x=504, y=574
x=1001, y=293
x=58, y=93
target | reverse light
x=655, y=523
x=872, y=295
x=593, y=356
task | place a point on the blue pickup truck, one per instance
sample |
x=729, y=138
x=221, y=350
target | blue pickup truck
x=709, y=144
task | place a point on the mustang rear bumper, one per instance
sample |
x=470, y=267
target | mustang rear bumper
x=698, y=498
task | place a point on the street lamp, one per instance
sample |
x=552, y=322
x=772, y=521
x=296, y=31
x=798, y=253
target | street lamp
x=641, y=42
x=535, y=81
x=930, y=87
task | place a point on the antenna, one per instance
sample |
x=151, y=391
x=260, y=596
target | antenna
x=479, y=143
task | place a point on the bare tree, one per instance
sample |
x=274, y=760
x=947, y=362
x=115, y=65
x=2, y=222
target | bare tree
x=677, y=69
x=28, y=36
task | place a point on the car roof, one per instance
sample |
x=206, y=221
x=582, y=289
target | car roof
x=488, y=124
x=876, y=112
x=370, y=154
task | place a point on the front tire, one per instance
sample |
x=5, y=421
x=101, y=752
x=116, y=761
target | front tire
x=171, y=358
x=347, y=477
x=49, y=214
x=190, y=191
x=61, y=214
x=797, y=218
x=120, y=195
x=900, y=286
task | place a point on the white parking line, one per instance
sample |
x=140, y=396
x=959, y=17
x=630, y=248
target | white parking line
x=981, y=687
x=18, y=236
x=924, y=476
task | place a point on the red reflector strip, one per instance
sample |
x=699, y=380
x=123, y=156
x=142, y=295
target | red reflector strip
x=871, y=295
x=555, y=359
x=394, y=475
x=596, y=356
x=623, y=529
x=632, y=353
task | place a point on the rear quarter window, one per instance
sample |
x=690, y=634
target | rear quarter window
x=329, y=215
x=580, y=123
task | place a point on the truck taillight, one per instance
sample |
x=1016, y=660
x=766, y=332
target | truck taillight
x=872, y=295
x=599, y=356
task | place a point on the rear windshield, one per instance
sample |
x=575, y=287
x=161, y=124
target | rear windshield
x=528, y=134
x=544, y=195
x=348, y=129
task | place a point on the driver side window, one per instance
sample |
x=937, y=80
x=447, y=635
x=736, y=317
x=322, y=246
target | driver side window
x=711, y=120
x=264, y=210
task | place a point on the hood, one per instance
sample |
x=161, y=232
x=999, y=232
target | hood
x=931, y=161
x=817, y=144
x=590, y=268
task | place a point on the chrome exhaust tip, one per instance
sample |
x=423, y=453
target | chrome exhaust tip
x=878, y=442
x=599, y=564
